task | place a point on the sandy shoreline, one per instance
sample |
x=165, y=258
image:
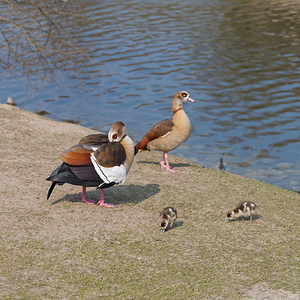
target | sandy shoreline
x=60, y=248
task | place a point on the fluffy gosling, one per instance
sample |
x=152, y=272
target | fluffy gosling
x=243, y=209
x=167, y=217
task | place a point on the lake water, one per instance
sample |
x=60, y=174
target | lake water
x=102, y=61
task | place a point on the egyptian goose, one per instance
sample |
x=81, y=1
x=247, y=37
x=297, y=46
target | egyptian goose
x=167, y=217
x=243, y=209
x=168, y=134
x=98, y=160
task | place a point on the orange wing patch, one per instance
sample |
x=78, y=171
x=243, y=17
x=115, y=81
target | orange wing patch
x=142, y=145
x=77, y=156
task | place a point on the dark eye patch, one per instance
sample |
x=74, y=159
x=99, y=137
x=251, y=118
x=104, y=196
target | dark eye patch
x=184, y=95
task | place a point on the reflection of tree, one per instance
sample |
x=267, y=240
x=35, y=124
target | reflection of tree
x=39, y=36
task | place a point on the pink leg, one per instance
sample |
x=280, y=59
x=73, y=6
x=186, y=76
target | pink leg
x=84, y=199
x=101, y=202
x=165, y=164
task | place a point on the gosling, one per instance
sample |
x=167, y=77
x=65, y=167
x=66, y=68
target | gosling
x=167, y=217
x=243, y=209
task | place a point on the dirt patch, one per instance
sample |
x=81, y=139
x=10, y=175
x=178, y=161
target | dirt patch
x=263, y=292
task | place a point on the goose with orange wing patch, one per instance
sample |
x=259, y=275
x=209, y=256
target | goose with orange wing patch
x=98, y=160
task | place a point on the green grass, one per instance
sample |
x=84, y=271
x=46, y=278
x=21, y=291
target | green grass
x=63, y=248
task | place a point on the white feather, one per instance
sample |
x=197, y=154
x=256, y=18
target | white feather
x=115, y=174
x=163, y=136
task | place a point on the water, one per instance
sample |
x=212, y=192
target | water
x=116, y=60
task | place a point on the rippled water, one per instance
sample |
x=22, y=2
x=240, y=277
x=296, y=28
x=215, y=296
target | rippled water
x=239, y=59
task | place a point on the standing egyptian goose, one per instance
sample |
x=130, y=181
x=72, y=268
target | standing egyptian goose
x=98, y=160
x=168, y=134
x=242, y=209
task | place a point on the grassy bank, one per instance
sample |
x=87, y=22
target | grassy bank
x=63, y=248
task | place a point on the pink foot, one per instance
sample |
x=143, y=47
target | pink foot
x=165, y=164
x=84, y=199
x=88, y=201
x=105, y=204
x=168, y=167
x=162, y=164
x=101, y=202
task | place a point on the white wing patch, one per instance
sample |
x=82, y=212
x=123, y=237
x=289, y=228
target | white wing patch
x=163, y=136
x=115, y=174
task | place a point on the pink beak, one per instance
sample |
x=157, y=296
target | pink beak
x=191, y=100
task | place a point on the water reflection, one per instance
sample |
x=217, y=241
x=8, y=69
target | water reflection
x=240, y=60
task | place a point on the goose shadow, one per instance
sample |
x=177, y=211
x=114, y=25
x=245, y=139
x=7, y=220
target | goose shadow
x=174, y=165
x=254, y=218
x=175, y=225
x=116, y=195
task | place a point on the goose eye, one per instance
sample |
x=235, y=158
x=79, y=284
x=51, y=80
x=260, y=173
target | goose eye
x=114, y=136
x=184, y=95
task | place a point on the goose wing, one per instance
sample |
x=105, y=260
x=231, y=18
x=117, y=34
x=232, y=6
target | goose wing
x=160, y=129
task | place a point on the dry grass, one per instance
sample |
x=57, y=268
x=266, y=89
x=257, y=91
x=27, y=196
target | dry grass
x=63, y=248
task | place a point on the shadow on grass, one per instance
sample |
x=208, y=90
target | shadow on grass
x=174, y=165
x=254, y=218
x=117, y=194
x=177, y=224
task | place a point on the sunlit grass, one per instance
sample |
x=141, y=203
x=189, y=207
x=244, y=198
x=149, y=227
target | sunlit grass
x=63, y=248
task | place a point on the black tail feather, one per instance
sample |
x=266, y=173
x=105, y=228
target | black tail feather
x=83, y=175
x=51, y=189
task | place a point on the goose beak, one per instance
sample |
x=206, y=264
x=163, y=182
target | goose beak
x=191, y=100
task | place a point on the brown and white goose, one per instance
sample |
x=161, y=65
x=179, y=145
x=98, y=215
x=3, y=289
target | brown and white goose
x=242, y=209
x=168, y=134
x=98, y=160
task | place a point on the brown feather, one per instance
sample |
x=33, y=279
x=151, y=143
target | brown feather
x=158, y=130
x=94, y=139
x=110, y=155
x=77, y=156
x=142, y=145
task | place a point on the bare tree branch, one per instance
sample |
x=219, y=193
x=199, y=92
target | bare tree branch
x=37, y=36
